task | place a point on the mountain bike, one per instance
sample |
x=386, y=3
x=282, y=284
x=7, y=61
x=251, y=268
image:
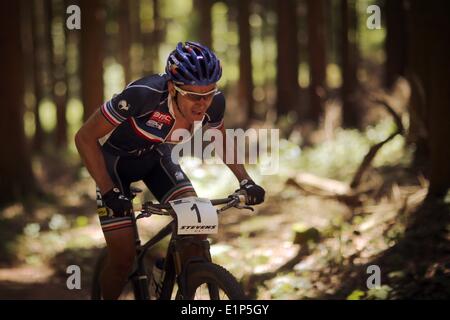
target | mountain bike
x=193, y=277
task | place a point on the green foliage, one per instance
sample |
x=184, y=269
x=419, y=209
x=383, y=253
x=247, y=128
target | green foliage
x=29, y=124
x=356, y=295
x=47, y=115
x=340, y=157
x=334, y=76
x=286, y=286
x=176, y=9
x=371, y=41
x=32, y=230
x=74, y=114
x=81, y=221
x=113, y=78
x=58, y=222
x=337, y=158
x=303, y=75
x=375, y=293
x=209, y=180
x=219, y=249
x=225, y=42
x=146, y=16
x=379, y=292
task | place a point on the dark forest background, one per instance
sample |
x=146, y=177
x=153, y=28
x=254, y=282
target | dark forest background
x=364, y=116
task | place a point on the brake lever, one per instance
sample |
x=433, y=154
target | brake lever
x=237, y=197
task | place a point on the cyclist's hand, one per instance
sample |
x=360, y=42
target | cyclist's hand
x=119, y=204
x=254, y=194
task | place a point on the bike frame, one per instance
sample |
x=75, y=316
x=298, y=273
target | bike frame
x=175, y=264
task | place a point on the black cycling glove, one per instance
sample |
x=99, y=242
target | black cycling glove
x=119, y=204
x=254, y=194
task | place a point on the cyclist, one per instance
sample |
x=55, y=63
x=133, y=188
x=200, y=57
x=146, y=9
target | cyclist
x=136, y=128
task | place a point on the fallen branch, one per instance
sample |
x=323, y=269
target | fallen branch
x=393, y=113
x=349, y=194
x=252, y=282
x=326, y=188
x=365, y=164
x=368, y=160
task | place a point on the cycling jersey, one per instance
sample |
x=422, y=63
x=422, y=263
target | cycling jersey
x=164, y=179
x=144, y=116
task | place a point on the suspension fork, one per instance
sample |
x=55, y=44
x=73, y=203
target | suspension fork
x=184, y=260
x=175, y=265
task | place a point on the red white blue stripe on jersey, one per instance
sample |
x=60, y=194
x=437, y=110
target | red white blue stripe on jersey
x=111, y=115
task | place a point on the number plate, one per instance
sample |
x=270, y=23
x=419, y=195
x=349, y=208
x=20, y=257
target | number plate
x=195, y=216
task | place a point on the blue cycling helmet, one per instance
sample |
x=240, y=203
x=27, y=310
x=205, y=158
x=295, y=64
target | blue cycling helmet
x=193, y=64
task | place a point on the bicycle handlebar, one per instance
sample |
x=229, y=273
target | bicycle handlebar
x=233, y=201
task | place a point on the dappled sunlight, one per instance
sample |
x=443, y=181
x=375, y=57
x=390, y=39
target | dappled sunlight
x=353, y=95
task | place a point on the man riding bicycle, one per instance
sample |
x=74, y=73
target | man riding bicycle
x=138, y=125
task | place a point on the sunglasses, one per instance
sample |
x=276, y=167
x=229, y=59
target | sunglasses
x=195, y=96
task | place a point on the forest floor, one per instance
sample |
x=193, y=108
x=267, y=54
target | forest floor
x=296, y=245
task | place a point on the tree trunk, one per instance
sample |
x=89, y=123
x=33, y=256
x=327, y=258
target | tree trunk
x=124, y=38
x=395, y=43
x=27, y=28
x=439, y=99
x=17, y=180
x=332, y=31
x=40, y=67
x=151, y=40
x=317, y=59
x=92, y=35
x=60, y=87
x=349, y=57
x=148, y=62
x=157, y=34
x=428, y=70
x=245, y=86
x=418, y=75
x=203, y=7
x=287, y=57
x=136, y=40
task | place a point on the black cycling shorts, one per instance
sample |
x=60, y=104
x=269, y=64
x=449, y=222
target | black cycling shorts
x=165, y=179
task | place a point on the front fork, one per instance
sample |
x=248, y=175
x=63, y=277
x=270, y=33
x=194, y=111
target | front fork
x=177, y=263
x=141, y=283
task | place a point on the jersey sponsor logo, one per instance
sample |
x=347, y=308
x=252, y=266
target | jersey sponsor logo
x=154, y=124
x=161, y=117
x=123, y=105
x=198, y=227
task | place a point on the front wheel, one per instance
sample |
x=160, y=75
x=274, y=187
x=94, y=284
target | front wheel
x=209, y=281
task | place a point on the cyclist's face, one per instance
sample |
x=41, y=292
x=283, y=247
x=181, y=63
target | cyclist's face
x=193, y=107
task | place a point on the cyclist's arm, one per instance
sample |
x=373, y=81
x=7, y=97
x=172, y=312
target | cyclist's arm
x=216, y=121
x=237, y=169
x=86, y=141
